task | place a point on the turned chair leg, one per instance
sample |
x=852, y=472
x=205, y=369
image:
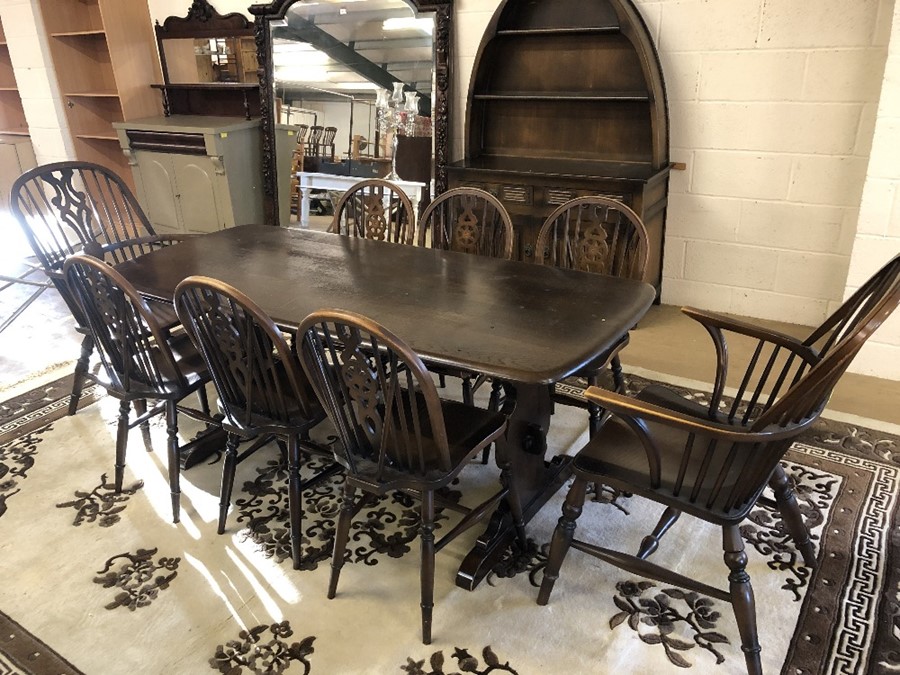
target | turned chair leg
x=295, y=505
x=427, y=571
x=121, y=443
x=651, y=542
x=790, y=512
x=81, y=368
x=174, y=459
x=562, y=537
x=742, y=600
x=494, y=403
x=615, y=365
x=228, y=469
x=204, y=400
x=468, y=394
x=341, y=535
x=140, y=408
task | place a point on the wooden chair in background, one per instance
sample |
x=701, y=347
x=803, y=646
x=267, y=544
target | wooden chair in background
x=395, y=433
x=602, y=236
x=375, y=209
x=468, y=220
x=713, y=462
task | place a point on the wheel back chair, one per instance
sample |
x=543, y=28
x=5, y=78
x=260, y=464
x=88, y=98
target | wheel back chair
x=73, y=207
x=375, y=209
x=141, y=359
x=262, y=390
x=603, y=236
x=468, y=220
x=395, y=433
x=714, y=462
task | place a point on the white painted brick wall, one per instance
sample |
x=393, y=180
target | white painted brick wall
x=878, y=232
x=36, y=80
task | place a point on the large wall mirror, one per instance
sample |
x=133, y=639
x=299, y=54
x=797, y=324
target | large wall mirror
x=352, y=89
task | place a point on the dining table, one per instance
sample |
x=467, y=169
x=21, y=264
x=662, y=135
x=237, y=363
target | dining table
x=525, y=325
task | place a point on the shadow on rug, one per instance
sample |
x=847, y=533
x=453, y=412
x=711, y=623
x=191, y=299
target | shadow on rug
x=129, y=592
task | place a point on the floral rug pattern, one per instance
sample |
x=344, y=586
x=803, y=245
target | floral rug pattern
x=847, y=479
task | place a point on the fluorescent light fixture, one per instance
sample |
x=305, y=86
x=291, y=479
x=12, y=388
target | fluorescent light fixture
x=409, y=23
x=301, y=74
x=300, y=58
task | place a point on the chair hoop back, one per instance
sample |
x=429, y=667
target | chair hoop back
x=468, y=220
x=375, y=209
x=845, y=333
x=67, y=207
x=594, y=234
x=257, y=377
x=379, y=395
x=133, y=348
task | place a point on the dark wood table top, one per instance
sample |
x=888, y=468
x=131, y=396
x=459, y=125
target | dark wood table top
x=508, y=319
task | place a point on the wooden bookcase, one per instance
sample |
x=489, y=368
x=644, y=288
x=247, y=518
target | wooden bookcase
x=105, y=60
x=12, y=115
x=567, y=99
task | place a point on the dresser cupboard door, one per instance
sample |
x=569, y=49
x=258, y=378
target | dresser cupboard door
x=195, y=181
x=158, y=179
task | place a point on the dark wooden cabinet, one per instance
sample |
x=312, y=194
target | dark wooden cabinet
x=567, y=99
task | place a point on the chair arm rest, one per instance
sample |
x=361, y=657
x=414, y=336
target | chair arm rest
x=712, y=320
x=636, y=409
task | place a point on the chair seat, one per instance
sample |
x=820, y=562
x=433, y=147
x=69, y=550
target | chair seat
x=299, y=418
x=188, y=362
x=616, y=456
x=468, y=431
x=164, y=313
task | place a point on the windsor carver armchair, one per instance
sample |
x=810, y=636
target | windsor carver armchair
x=713, y=462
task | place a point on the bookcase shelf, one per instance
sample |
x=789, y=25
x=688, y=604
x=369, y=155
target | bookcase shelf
x=104, y=56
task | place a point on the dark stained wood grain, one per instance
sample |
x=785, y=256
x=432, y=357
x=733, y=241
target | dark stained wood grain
x=528, y=325
x=508, y=319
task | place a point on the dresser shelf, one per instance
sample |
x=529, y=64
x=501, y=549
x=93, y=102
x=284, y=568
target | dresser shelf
x=567, y=99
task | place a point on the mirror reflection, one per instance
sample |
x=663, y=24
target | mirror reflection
x=216, y=59
x=353, y=98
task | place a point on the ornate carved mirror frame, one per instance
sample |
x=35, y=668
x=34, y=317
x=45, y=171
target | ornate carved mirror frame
x=275, y=11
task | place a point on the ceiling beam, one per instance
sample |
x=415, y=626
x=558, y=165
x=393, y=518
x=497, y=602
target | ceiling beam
x=300, y=29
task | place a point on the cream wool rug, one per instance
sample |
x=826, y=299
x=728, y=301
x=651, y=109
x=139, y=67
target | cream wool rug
x=97, y=583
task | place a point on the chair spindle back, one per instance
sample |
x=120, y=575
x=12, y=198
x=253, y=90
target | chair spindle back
x=257, y=378
x=467, y=220
x=132, y=346
x=594, y=234
x=375, y=209
x=378, y=394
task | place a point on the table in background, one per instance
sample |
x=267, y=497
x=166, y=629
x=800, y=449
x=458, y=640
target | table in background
x=326, y=181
